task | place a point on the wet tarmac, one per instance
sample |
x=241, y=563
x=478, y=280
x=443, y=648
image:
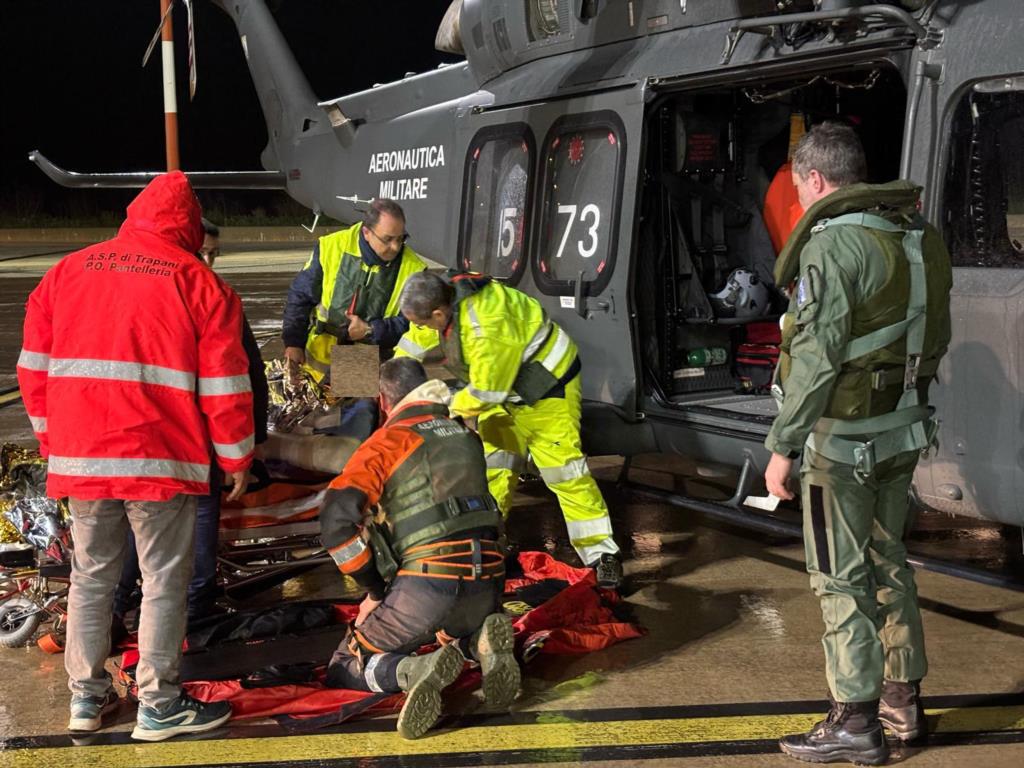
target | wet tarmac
x=731, y=659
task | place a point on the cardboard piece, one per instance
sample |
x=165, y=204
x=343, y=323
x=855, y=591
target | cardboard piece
x=355, y=370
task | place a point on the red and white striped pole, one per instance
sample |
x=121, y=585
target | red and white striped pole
x=170, y=97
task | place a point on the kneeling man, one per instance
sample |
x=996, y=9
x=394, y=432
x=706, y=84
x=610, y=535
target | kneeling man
x=428, y=558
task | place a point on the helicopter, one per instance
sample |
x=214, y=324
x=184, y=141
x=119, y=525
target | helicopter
x=611, y=159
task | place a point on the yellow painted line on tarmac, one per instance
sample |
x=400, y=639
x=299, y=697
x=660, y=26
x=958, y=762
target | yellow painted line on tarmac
x=479, y=739
x=978, y=719
x=10, y=397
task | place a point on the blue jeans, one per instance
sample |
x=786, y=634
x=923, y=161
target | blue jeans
x=202, y=589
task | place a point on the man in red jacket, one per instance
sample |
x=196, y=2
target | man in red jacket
x=131, y=368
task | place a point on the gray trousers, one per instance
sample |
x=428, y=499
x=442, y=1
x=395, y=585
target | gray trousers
x=163, y=533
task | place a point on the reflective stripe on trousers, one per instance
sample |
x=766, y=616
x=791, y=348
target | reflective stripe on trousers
x=548, y=432
x=499, y=459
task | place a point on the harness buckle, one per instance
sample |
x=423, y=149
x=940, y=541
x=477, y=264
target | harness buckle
x=910, y=372
x=478, y=567
x=864, y=461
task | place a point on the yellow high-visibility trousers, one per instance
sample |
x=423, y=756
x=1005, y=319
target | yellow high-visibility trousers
x=548, y=432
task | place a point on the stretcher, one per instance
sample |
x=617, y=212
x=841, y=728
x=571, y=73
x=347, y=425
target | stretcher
x=273, y=532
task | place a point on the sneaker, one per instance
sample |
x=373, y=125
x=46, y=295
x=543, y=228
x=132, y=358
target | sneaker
x=183, y=715
x=493, y=644
x=87, y=711
x=609, y=571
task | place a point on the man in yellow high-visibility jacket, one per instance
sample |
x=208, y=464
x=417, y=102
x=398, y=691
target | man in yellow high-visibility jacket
x=348, y=290
x=522, y=383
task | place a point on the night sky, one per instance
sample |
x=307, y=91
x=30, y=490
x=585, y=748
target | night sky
x=72, y=86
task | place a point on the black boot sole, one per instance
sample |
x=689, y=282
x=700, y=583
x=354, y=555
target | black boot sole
x=879, y=756
x=501, y=675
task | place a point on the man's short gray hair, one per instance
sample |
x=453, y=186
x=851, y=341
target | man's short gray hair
x=833, y=150
x=423, y=293
x=398, y=377
x=380, y=206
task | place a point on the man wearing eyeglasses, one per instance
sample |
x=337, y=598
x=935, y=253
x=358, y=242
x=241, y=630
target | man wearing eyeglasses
x=348, y=291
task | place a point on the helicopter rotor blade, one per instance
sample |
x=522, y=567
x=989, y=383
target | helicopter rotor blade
x=192, y=76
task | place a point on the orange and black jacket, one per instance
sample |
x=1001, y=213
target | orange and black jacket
x=427, y=474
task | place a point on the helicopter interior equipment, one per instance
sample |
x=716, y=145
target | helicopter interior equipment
x=611, y=159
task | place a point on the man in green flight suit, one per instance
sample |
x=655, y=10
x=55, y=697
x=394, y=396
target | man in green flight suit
x=867, y=324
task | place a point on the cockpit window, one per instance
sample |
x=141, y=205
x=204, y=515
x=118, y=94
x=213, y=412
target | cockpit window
x=581, y=184
x=984, y=188
x=495, y=211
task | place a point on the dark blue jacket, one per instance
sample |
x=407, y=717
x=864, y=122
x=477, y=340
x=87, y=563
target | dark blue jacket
x=306, y=291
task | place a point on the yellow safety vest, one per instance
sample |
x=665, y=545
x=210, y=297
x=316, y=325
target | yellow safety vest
x=345, y=273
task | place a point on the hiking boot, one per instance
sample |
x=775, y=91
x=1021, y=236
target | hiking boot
x=900, y=711
x=492, y=645
x=850, y=734
x=183, y=715
x=423, y=678
x=609, y=571
x=87, y=711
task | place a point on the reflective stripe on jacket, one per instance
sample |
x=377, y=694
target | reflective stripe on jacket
x=412, y=467
x=132, y=366
x=496, y=333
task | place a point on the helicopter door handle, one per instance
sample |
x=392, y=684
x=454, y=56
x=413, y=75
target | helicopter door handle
x=580, y=302
x=581, y=305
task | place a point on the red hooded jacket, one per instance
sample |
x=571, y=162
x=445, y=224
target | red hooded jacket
x=132, y=363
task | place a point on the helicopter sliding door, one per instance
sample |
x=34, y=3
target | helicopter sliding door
x=549, y=192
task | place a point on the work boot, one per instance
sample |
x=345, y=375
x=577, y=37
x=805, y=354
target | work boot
x=423, y=678
x=609, y=571
x=900, y=710
x=850, y=734
x=492, y=645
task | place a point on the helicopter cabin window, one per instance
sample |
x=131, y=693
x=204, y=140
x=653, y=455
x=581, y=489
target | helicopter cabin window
x=494, y=212
x=984, y=186
x=718, y=205
x=581, y=183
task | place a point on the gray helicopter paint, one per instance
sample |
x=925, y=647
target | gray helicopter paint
x=618, y=61
x=979, y=395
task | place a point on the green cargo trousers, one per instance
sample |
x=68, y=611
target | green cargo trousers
x=853, y=540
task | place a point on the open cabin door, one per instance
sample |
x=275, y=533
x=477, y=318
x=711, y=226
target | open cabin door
x=549, y=194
